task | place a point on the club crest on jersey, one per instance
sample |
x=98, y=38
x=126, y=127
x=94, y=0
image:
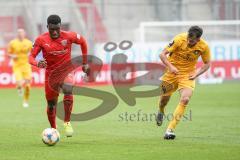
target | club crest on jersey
x=64, y=42
x=196, y=52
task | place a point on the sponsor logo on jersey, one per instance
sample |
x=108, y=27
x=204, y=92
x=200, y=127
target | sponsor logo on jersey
x=58, y=52
x=64, y=42
x=186, y=57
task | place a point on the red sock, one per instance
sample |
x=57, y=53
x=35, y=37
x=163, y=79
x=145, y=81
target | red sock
x=52, y=116
x=68, y=104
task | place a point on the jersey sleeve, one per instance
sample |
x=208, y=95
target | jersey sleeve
x=10, y=49
x=206, y=55
x=30, y=46
x=172, y=46
x=34, y=52
x=78, y=39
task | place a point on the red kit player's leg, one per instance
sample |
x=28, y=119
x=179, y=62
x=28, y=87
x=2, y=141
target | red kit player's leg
x=68, y=104
x=68, y=97
x=51, y=97
x=51, y=113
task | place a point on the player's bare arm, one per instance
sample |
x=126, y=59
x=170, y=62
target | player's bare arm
x=86, y=69
x=34, y=52
x=42, y=64
x=10, y=53
x=163, y=57
x=84, y=47
x=203, y=69
x=12, y=56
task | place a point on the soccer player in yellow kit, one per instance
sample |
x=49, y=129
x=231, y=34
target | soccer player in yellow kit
x=18, y=50
x=180, y=58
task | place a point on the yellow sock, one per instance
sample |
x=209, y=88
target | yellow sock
x=178, y=113
x=26, y=92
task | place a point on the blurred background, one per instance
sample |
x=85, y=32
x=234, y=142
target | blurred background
x=121, y=129
x=149, y=24
x=102, y=20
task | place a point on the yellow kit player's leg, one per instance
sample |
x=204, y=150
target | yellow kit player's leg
x=186, y=90
x=178, y=113
x=27, y=75
x=168, y=86
x=26, y=95
x=19, y=79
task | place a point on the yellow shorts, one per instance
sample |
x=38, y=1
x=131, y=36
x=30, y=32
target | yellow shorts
x=177, y=82
x=22, y=72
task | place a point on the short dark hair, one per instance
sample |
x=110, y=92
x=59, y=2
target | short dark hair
x=53, y=19
x=195, y=31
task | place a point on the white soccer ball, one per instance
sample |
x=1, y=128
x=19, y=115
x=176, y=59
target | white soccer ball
x=50, y=136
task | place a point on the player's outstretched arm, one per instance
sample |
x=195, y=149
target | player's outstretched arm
x=206, y=58
x=13, y=56
x=80, y=40
x=86, y=69
x=84, y=48
x=10, y=52
x=34, y=52
x=163, y=57
x=42, y=63
x=203, y=69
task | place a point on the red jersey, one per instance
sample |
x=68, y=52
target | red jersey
x=57, y=51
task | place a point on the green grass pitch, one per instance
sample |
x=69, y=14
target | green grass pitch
x=212, y=131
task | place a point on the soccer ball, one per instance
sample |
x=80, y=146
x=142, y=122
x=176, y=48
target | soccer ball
x=50, y=136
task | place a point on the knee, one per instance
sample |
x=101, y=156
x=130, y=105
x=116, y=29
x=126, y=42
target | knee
x=19, y=84
x=68, y=98
x=27, y=82
x=185, y=100
x=67, y=89
x=51, y=104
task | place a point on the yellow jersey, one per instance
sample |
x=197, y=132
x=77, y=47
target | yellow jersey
x=21, y=50
x=185, y=58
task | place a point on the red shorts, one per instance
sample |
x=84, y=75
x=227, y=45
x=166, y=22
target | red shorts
x=50, y=93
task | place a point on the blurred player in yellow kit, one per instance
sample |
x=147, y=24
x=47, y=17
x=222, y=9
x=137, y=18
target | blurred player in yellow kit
x=180, y=58
x=18, y=50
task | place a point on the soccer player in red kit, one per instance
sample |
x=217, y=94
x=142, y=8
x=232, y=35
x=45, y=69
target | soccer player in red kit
x=56, y=48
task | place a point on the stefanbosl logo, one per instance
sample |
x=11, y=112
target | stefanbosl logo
x=123, y=88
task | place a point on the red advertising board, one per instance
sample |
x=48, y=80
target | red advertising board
x=227, y=70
